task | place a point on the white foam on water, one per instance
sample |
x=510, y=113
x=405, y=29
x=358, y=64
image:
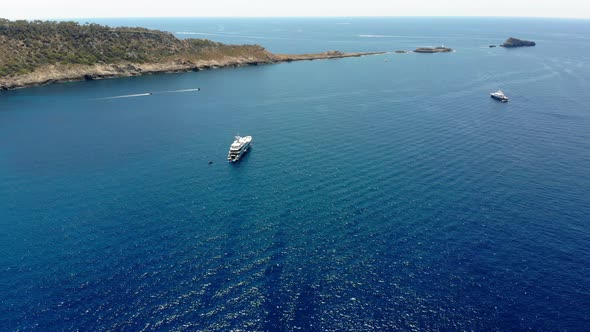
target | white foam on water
x=127, y=96
x=149, y=94
x=177, y=91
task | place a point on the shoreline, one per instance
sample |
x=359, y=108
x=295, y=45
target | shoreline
x=71, y=73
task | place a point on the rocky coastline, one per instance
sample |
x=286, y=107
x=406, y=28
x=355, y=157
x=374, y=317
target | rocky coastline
x=57, y=73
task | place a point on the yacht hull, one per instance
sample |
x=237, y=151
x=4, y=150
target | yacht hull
x=504, y=100
x=239, y=156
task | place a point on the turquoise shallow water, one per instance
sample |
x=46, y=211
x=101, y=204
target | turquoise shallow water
x=377, y=196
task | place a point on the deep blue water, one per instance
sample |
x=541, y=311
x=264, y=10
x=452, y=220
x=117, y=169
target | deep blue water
x=378, y=195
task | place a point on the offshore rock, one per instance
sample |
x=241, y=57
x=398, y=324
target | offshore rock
x=515, y=42
x=439, y=49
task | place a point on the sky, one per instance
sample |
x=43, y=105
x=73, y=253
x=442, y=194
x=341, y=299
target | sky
x=60, y=9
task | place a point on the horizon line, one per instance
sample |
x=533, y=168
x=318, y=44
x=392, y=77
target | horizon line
x=299, y=17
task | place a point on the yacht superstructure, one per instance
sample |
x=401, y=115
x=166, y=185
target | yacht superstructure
x=238, y=148
x=499, y=95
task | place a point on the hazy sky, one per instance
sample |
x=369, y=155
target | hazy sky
x=32, y=9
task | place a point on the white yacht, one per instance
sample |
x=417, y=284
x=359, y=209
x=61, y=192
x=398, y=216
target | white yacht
x=499, y=95
x=238, y=148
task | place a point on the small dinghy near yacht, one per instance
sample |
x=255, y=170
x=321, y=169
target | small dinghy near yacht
x=238, y=148
x=499, y=95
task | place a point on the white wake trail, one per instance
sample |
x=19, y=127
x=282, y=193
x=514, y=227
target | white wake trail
x=176, y=91
x=127, y=96
x=148, y=94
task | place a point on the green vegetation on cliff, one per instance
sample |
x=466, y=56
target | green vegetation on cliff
x=28, y=45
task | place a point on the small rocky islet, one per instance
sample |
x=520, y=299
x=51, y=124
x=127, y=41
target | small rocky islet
x=439, y=49
x=515, y=42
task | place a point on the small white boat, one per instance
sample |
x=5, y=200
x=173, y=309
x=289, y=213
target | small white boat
x=238, y=148
x=499, y=95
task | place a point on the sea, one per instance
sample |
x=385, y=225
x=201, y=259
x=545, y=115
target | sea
x=382, y=193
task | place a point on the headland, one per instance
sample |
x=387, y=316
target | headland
x=43, y=52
